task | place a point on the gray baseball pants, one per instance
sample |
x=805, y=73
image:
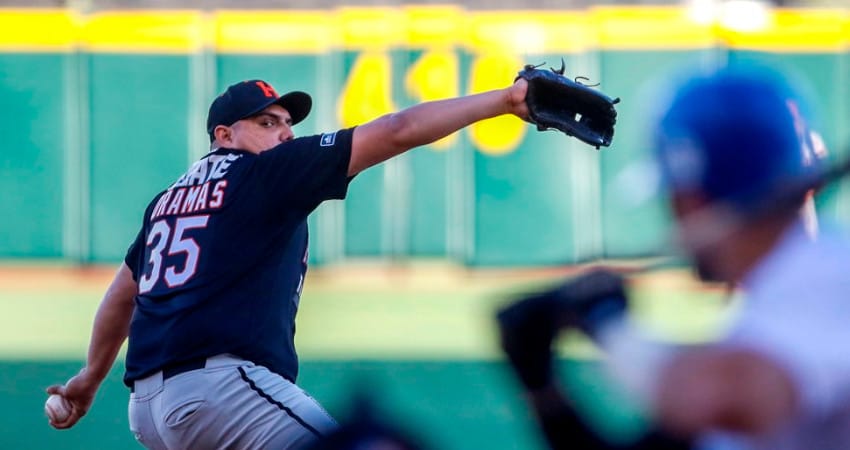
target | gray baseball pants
x=229, y=404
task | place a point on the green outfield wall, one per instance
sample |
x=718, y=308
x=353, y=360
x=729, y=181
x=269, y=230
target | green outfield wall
x=102, y=110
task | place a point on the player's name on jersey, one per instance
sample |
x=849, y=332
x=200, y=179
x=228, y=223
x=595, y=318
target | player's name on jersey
x=213, y=167
x=201, y=188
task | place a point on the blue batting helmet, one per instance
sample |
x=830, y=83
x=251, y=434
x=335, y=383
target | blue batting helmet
x=731, y=136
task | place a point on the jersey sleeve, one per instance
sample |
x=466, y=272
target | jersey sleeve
x=798, y=319
x=806, y=345
x=308, y=170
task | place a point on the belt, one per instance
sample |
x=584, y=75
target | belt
x=154, y=381
x=172, y=370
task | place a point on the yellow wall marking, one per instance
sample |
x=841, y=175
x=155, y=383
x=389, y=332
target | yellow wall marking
x=366, y=95
x=435, y=76
x=501, y=134
x=145, y=32
x=276, y=31
x=37, y=30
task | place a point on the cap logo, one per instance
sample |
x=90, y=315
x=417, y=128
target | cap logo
x=268, y=91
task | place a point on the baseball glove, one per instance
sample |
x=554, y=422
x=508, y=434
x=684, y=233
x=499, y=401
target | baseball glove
x=556, y=102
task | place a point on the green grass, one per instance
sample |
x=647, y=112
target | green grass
x=391, y=316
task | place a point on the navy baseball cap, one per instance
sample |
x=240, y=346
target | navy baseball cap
x=731, y=136
x=246, y=98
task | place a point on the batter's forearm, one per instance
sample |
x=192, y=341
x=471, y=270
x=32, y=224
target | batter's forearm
x=111, y=324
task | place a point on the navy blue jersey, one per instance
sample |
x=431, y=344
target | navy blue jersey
x=221, y=257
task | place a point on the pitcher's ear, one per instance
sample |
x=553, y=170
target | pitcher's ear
x=222, y=133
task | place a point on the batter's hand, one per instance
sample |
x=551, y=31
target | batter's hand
x=79, y=392
x=516, y=98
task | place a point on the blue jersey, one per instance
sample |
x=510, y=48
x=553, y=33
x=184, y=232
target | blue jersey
x=221, y=257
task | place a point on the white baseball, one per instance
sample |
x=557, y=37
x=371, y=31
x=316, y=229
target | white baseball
x=56, y=408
